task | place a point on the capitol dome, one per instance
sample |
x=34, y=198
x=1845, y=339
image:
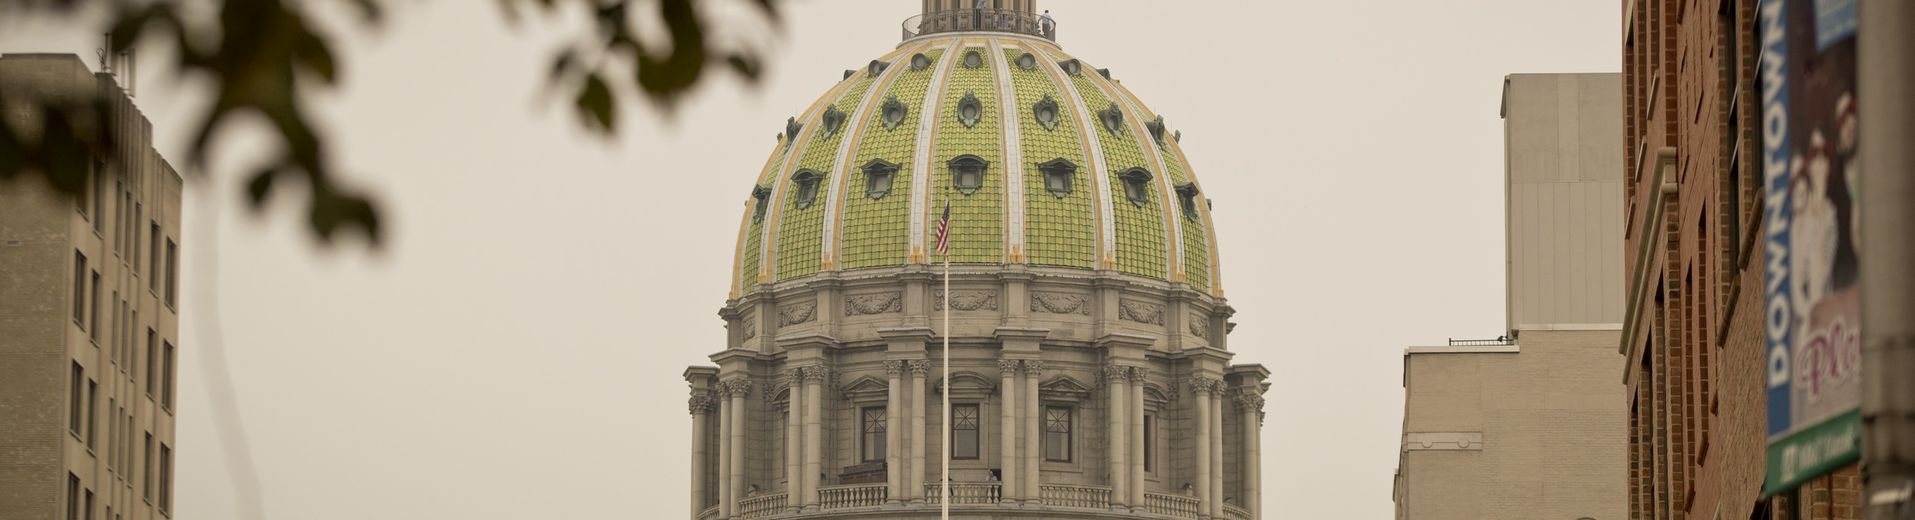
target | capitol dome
x=1080, y=335
x=1046, y=159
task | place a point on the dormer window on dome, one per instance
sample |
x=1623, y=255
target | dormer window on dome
x=1027, y=61
x=1136, y=186
x=833, y=119
x=920, y=62
x=973, y=59
x=792, y=126
x=1072, y=67
x=967, y=173
x=878, y=175
x=892, y=113
x=1113, y=118
x=1045, y=111
x=1156, y=127
x=1187, y=200
x=807, y=181
x=969, y=109
x=1058, y=174
x=876, y=67
x=761, y=198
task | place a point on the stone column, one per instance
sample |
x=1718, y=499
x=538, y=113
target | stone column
x=1033, y=431
x=701, y=416
x=894, y=405
x=1007, y=431
x=914, y=485
x=794, y=440
x=1137, y=376
x=1216, y=448
x=1200, y=388
x=724, y=452
x=1117, y=394
x=814, y=449
x=739, y=388
x=1251, y=405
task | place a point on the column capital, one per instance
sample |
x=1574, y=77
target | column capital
x=1034, y=367
x=1250, y=402
x=893, y=368
x=1138, y=374
x=699, y=404
x=1007, y=367
x=1116, y=374
x=815, y=373
x=1203, y=385
x=919, y=367
x=736, y=387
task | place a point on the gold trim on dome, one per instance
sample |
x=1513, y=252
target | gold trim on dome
x=1092, y=140
x=841, y=168
x=1174, y=267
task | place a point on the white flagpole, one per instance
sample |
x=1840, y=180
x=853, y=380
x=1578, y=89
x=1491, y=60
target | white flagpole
x=944, y=503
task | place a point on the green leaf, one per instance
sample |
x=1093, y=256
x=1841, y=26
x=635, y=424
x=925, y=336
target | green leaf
x=596, y=105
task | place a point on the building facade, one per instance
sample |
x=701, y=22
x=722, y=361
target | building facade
x=1693, y=332
x=1090, y=375
x=89, y=325
x=1532, y=424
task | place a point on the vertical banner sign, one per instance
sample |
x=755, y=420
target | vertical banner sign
x=1811, y=313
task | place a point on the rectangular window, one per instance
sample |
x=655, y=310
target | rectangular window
x=112, y=430
x=152, y=361
x=172, y=273
x=871, y=441
x=72, y=497
x=1057, y=434
x=92, y=411
x=153, y=275
x=133, y=228
x=99, y=198
x=964, y=430
x=1150, y=443
x=166, y=374
x=119, y=216
x=166, y=480
x=79, y=289
x=74, y=410
x=119, y=312
x=146, y=471
x=89, y=504
x=93, y=309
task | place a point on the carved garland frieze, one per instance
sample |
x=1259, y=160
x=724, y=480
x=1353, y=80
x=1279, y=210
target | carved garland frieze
x=797, y=313
x=1141, y=312
x=1060, y=303
x=879, y=303
x=966, y=300
x=1199, y=325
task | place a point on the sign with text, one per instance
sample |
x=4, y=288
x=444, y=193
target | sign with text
x=1811, y=314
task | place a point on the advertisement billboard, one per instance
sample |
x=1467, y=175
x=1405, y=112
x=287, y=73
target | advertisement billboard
x=1811, y=313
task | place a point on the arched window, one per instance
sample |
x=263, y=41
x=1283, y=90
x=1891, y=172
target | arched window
x=807, y=188
x=1058, y=174
x=878, y=175
x=967, y=173
x=1137, y=186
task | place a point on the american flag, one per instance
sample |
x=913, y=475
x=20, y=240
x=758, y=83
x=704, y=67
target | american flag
x=944, y=230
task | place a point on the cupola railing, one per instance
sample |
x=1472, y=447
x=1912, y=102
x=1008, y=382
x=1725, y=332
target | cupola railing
x=994, y=20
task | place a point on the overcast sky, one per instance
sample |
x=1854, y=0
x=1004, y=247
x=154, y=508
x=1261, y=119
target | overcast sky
x=515, y=351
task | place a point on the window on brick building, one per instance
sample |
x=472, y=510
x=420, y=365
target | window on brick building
x=152, y=361
x=146, y=470
x=871, y=438
x=79, y=289
x=166, y=480
x=99, y=198
x=93, y=309
x=1150, y=443
x=92, y=412
x=964, y=431
x=76, y=397
x=72, y=497
x=172, y=273
x=166, y=376
x=153, y=256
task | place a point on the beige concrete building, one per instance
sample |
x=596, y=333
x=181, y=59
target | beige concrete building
x=1090, y=374
x=89, y=320
x=1534, y=424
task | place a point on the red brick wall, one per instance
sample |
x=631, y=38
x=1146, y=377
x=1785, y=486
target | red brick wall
x=1697, y=429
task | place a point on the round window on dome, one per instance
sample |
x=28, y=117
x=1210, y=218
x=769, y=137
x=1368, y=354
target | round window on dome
x=1027, y=61
x=967, y=173
x=973, y=59
x=1137, y=186
x=969, y=109
x=1045, y=111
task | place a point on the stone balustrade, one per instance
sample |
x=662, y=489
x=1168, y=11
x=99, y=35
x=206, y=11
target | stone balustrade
x=966, y=493
x=1235, y=513
x=709, y=513
x=1172, y=505
x=761, y=506
x=851, y=495
x=1083, y=497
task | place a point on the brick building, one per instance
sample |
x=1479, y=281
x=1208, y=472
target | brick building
x=1692, y=326
x=89, y=320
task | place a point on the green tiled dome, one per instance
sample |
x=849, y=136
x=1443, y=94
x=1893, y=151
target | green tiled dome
x=1076, y=172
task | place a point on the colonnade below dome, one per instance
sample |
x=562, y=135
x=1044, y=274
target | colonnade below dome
x=1071, y=432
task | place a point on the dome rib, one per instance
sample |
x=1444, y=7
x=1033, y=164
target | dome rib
x=1013, y=150
x=1099, y=167
x=922, y=153
x=876, y=232
x=1061, y=229
x=1173, y=257
x=841, y=167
